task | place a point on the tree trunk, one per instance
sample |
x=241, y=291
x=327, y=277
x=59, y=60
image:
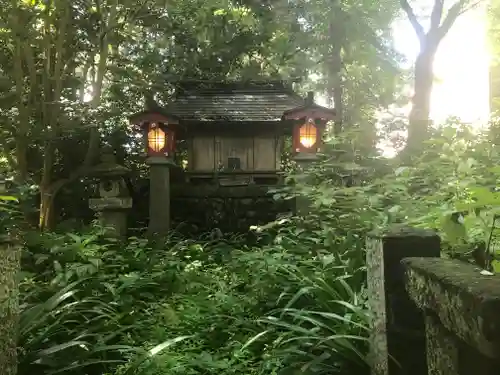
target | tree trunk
x=337, y=87
x=54, y=45
x=50, y=188
x=419, y=119
x=21, y=135
x=337, y=33
x=338, y=105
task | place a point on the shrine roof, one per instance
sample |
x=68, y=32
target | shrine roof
x=223, y=101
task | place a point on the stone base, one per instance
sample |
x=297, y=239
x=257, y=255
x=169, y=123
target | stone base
x=442, y=352
x=112, y=213
x=304, y=157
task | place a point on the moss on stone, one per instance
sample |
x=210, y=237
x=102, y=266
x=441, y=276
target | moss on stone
x=400, y=231
x=466, y=302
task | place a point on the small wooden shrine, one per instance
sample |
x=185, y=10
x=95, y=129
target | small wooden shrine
x=234, y=131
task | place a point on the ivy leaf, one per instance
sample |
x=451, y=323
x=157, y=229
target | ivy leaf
x=455, y=232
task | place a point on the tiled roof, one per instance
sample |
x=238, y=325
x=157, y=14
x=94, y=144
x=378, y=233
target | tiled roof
x=263, y=101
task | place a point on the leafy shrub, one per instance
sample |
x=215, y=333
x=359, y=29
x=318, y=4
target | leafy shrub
x=323, y=326
x=451, y=187
x=90, y=305
x=86, y=302
x=244, y=311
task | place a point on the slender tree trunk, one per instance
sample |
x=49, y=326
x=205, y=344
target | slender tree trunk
x=337, y=87
x=338, y=105
x=55, y=55
x=21, y=136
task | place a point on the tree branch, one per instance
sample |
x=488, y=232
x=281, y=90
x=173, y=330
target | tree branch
x=419, y=30
x=455, y=11
x=436, y=15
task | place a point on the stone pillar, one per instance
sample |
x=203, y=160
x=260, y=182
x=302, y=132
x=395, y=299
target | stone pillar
x=10, y=265
x=397, y=344
x=304, y=162
x=114, y=199
x=159, y=195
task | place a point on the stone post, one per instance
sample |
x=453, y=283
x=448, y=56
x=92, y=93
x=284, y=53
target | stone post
x=442, y=351
x=397, y=344
x=10, y=264
x=304, y=162
x=159, y=195
x=114, y=198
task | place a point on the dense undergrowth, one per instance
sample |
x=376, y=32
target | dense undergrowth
x=451, y=187
x=294, y=302
x=90, y=306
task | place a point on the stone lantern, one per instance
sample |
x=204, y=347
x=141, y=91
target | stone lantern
x=114, y=198
x=309, y=122
x=158, y=131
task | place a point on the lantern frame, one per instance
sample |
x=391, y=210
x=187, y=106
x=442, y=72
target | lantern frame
x=149, y=121
x=298, y=144
x=311, y=114
x=308, y=114
x=167, y=138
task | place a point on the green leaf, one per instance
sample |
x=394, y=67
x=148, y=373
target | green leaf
x=8, y=198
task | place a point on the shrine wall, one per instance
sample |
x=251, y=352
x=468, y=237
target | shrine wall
x=209, y=153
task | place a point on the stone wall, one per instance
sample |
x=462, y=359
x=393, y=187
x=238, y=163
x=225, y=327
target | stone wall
x=198, y=209
x=231, y=209
x=432, y=316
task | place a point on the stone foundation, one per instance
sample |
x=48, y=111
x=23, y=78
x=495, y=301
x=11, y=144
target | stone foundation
x=198, y=209
x=231, y=209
